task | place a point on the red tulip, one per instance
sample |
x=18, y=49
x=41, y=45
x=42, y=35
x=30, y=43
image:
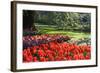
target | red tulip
x=54, y=50
x=42, y=59
x=35, y=59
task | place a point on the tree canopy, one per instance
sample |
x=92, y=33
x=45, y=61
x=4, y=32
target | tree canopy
x=62, y=20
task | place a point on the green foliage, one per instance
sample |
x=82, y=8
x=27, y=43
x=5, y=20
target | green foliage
x=46, y=29
x=64, y=20
x=85, y=53
x=73, y=21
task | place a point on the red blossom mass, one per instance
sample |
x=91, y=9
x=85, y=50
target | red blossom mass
x=53, y=48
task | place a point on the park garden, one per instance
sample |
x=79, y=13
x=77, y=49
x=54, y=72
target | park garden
x=56, y=36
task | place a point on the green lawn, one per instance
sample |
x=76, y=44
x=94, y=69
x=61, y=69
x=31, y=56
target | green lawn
x=53, y=30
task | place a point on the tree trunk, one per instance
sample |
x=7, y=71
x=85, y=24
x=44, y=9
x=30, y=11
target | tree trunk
x=28, y=21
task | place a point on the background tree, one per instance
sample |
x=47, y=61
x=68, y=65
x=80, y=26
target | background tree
x=73, y=21
x=28, y=20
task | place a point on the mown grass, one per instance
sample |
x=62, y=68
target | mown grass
x=54, y=30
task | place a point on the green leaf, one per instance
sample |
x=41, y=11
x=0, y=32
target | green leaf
x=85, y=53
x=71, y=54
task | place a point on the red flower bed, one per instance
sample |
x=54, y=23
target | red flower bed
x=29, y=41
x=56, y=51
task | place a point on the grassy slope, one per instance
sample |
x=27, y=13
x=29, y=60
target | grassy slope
x=52, y=30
